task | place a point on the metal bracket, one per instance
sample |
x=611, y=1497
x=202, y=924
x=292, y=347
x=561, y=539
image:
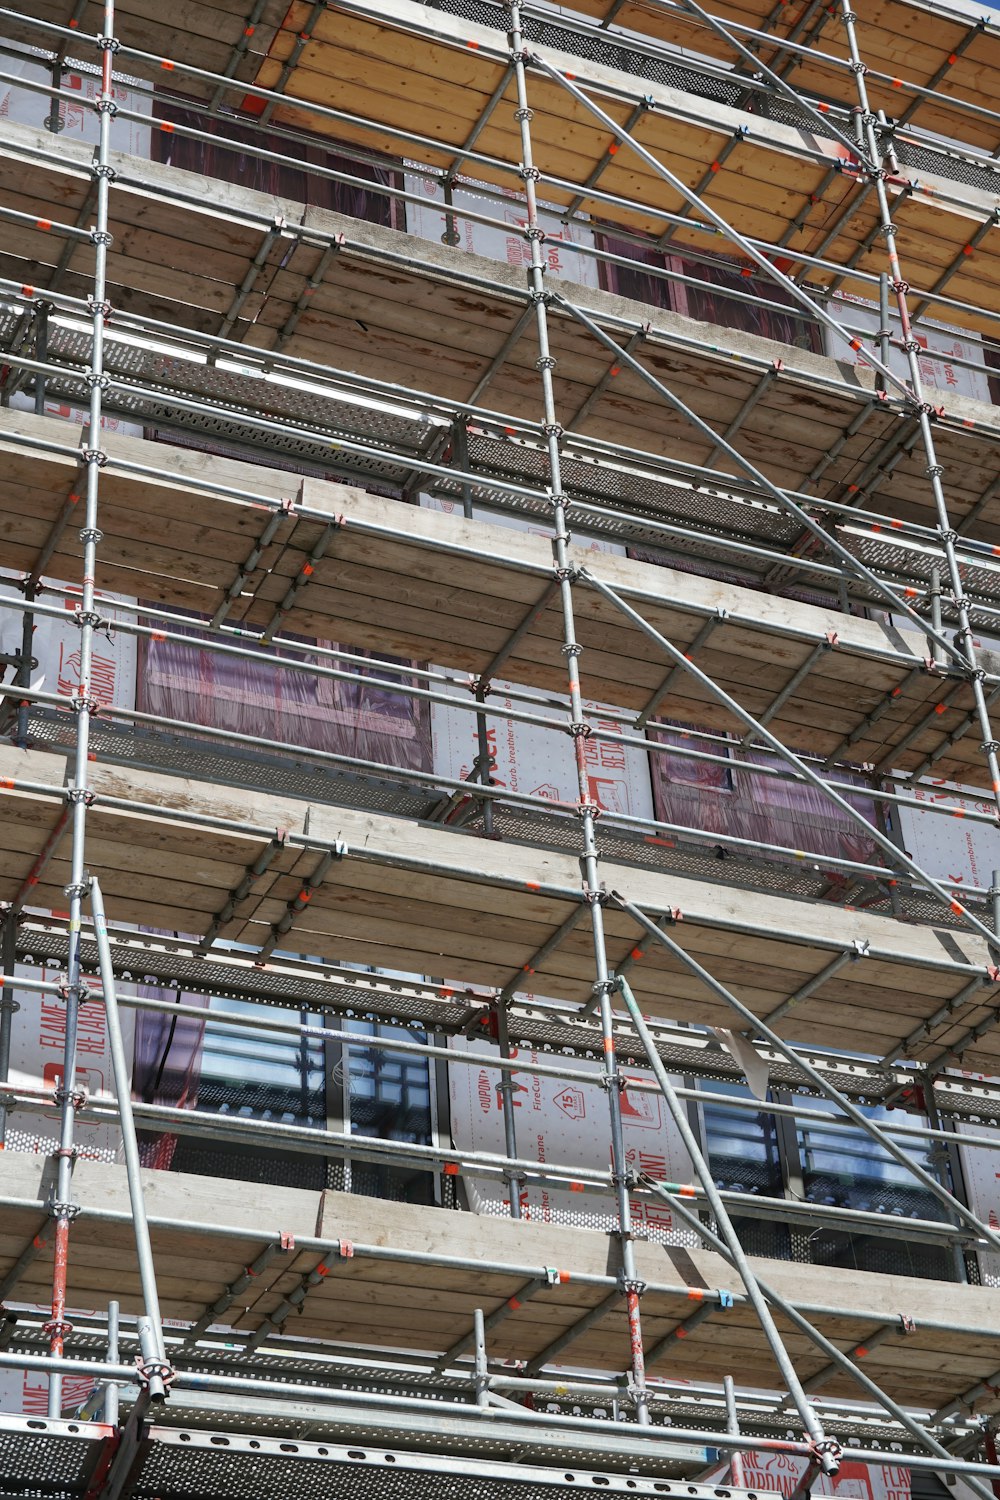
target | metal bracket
x=78, y=1097
x=154, y=1369
x=60, y=1210
x=88, y=798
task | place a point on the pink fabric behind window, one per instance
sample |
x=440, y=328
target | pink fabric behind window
x=359, y=719
x=717, y=799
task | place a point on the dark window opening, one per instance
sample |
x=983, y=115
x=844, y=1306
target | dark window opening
x=707, y=301
x=227, y=158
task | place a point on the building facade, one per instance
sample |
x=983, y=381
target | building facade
x=498, y=671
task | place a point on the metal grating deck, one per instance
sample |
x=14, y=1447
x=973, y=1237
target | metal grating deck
x=41, y=1458
x=682, y=854
x=312, y=421
x=55, y=1459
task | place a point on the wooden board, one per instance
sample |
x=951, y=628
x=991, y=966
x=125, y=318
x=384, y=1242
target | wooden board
x=430, y=586
x=435, y=901
x=381, y=1298
x=904, y=44
x=408, y=71
x=403, y=309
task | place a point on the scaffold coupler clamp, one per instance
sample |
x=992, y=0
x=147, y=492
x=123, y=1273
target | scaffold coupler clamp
x=599, y=897
x=88, y=798
x=79, y=1098
x=58, y=1209
x=155, y=1372
x=81, y=992
x=155, y=1375
x=827, y=1453
x=91, y=617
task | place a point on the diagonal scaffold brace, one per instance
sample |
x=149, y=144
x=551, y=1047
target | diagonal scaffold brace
x=896, y=856
x=749, y=249
x=826, y=1451
x=805, y=1067
x=154, y=1367
x=726, y=1244
x=852, y=564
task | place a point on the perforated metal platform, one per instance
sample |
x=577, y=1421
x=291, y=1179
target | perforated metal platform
x=687, y=1405
x=701, y=858
x=42, y=1457
x=174, y=964
x=624, y=497
x=51, y=1459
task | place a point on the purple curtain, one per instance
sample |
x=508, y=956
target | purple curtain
x=224, y=158
x=359, y=719
x=718, y=799
x=703, y=303
x=167, y=1066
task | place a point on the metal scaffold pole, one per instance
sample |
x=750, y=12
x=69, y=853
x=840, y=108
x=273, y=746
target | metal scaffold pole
x=155, y=1369
x=826, y=1451
x=578, y=728
x=874, y=159
x=8, y=1005
x=78, y=794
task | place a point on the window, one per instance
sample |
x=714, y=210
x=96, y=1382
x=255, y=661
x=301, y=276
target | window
x=830, y=1165
x=358, y=718
x=846, y=1168
x=744, y=1154
x=388, y=1097
x=225, y=157
x=718, y=799
x=707, y=301
x=232, y=1071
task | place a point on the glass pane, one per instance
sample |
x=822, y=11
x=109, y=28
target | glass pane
x=744, y=1154
x=847, y=1169
x=261, y=1075
x=389, y=1096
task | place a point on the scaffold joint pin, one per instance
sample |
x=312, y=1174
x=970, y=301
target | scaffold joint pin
x=60, y=1209
x=631, y=1285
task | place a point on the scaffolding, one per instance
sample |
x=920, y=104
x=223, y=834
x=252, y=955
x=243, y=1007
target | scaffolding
x=438, y=1345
